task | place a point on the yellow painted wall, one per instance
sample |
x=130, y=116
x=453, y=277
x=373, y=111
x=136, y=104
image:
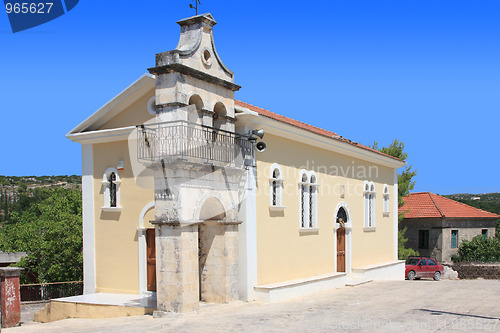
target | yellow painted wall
x=135, y=114
x=283, y=252
x=116, y=237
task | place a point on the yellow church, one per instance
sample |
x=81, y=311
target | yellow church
x=190, y=195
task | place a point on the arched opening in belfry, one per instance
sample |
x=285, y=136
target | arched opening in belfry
x=211, y=251
x=195, y=114
x=196, y=101
x=219, y=115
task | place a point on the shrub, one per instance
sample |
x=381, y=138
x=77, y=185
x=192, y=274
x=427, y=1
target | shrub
x=480, y=249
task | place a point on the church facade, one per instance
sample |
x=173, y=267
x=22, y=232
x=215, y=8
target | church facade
x=194, y=196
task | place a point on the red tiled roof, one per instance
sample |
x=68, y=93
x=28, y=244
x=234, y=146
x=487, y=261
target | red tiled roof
x=427, y=204
x=310, y=128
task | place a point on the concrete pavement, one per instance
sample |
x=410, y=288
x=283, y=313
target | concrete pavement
x=400, y=306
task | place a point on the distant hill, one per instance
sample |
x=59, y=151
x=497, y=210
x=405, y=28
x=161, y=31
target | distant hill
x=486, y=201
x=40, y=181
x=16, y=191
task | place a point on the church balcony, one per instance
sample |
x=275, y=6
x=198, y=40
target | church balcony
x=182, y=141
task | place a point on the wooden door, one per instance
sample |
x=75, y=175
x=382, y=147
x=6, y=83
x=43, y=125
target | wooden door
x=151, y=259
x=340, y=250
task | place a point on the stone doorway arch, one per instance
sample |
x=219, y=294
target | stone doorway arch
x=217, y=254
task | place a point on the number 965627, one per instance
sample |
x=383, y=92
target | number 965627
x=28, y=7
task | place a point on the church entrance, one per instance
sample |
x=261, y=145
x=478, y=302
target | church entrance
x=151, y=259
x=341, y=220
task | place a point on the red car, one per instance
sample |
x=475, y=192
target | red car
x=417, y=267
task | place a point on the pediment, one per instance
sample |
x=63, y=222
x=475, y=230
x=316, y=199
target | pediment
x=128, y=108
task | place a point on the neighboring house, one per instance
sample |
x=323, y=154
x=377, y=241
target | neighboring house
x=203, y=217
x=437, y=225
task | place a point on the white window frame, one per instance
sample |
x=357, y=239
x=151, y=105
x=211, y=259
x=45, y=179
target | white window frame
x=386, y=196
x=308, y=210
x=369, y=195
x=105, y=183
x=276, y=205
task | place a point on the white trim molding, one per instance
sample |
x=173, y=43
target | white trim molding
x=88, y=219
x=114, y=106
x=276, y=188
x=369, y=215
x=143, y=265
x=288, y=131
x=348, y=224
x=247, y=234
x=107, y=206
x=396, y=213
x=386, y=199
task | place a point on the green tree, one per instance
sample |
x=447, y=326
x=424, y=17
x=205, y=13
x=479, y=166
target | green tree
x=405, y=185
x=49, y=230
x=480, y=249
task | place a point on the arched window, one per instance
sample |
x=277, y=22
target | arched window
x=111, y=183
x=276, y=182
x=369, y=203
x=313, y=200
x=386, y=200
x=304, y=199
x=341, y=217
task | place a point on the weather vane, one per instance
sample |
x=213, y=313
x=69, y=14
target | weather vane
x=196, y=2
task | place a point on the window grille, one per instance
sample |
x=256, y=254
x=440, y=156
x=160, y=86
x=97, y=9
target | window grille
x=112, y=190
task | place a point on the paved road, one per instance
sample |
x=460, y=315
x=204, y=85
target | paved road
x=402, y=306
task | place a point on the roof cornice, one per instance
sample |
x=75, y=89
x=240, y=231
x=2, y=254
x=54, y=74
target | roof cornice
x=291, y=132
x=102, y=136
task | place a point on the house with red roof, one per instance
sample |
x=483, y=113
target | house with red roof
x=437, y=225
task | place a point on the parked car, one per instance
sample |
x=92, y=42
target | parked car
x=417, y=267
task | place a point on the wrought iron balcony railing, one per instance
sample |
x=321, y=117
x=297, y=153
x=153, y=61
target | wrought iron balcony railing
x=181, y=140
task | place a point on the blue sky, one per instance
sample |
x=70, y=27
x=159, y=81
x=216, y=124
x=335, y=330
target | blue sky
x=426, y=72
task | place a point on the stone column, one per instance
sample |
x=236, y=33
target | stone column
x=9, y=296
x=177, y=277
x=231, y=261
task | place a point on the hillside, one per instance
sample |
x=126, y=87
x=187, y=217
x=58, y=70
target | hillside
x=486, y=201
x=14, y=190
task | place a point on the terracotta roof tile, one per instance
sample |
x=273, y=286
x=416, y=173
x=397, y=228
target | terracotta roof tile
x=310, y=128
x=427, y=204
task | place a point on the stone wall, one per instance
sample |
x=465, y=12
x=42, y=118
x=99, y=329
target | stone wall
x=467, y=270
